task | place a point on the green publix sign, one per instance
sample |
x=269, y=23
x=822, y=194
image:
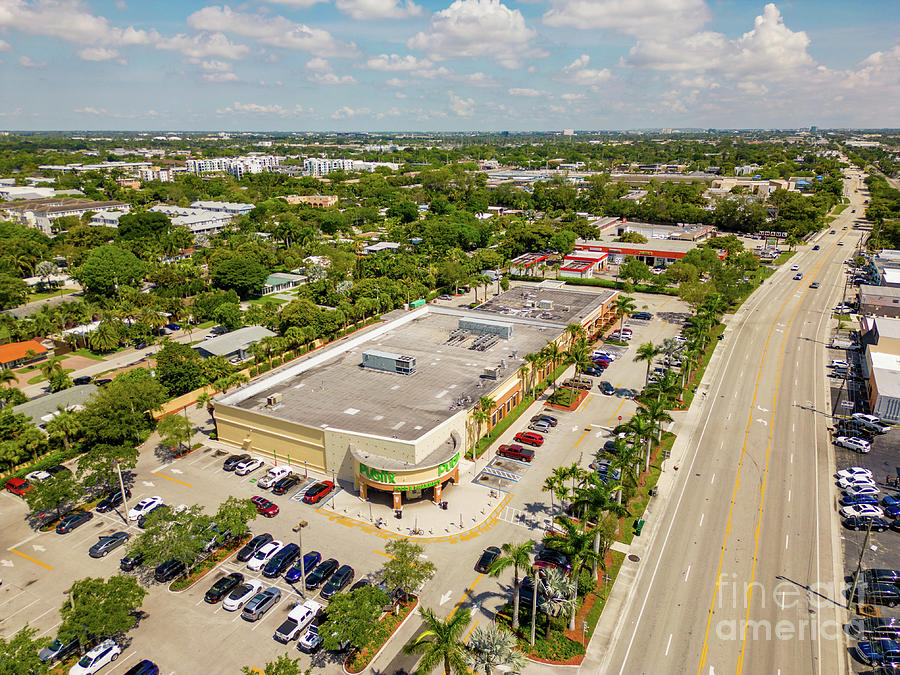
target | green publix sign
x=383, y=476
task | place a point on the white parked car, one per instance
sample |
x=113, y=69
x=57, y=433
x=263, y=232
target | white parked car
x=247, y=466
x=276, y=473
x=261, y=557
x=241, y=595
x=853, y=472
x=37, y=475
x=794, y=268
x=855, y=480
x=839, y=363
x=144, y=507
x=862, y=489
x=863, y=417
x=862, y=510
x=104, y=653
x=852, y=443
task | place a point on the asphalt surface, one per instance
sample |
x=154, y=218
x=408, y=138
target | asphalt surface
x=745, y=573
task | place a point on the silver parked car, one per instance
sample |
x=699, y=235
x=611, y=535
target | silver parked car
x=260, y=604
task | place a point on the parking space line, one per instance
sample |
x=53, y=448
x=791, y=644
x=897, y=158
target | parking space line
x=121, y=662
x=29, y=558
x=174, y=480
x=25, y=541
x=9, y=616
x=49, y=629
x=12, y=598
x=582, y=437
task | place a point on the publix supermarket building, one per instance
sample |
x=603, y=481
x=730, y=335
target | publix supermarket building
x=389, y=410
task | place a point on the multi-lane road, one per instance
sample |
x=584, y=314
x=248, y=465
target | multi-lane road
x=744, y=573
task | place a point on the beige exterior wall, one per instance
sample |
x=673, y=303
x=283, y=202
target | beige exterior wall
x=271, y=437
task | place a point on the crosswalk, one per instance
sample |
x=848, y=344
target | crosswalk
x=501, y=473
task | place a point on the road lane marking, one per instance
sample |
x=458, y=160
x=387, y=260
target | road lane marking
x=701, y=520
x=713, y=479
x=668, y=644
x=786, y=539
x=466, y=639
x=174, y=480
x=687, y=573
x=616, y=413
x=24, y=541
x=789, y=495
x=792, y=458
x=586, y=431
x=28, y=557
x=466, y=594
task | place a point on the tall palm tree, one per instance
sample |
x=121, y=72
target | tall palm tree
x=487, y=405
x=480, y=417
x=555, y=597
x=596, y=498
x=550, y=485
x=554, y=353
x=494, y=647
x=656, y=412
x=8, y=377
x=627, y=463
x=533, y=360
x=441, y=642
x=106, y=336
x=647, y=352
x=65, y=425
x=517, y=556
x=579, y=355
x=574, y=331
x=643, y=431
x=560, y=476
x=579, y=546
x=623, y=306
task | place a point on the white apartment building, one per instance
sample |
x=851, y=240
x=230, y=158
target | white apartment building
x=197, y=220
x=156, y=173
x=316, y=166
x=235, y=166
x=231, y=208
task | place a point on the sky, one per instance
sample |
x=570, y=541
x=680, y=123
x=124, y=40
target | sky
x=434, y=65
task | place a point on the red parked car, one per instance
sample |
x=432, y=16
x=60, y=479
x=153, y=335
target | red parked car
x=516, y=451
x=318, y=492
x=530, y=438
x=18, y=486
x=264, y=507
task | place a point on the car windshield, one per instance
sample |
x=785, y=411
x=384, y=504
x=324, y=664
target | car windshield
x=55, y=645
x=86, y=660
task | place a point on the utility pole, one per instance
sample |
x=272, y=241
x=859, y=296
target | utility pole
x=122, y=486
x=862, y=552
x=299, y=529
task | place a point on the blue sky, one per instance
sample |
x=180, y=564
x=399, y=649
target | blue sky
x=368, y=65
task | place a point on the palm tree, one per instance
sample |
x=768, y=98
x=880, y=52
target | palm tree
x=46, y=269
x=105, y=337
x=656, y=412
x=205, y=399
x=494, y=647
x=643, y=431
x=560, y=476
x=596, y=498
x=623, y=306
x=574, y=330
x=664, y=387
x=555, y=594
x=440, y=642
x=516, y=556
x=579, y=355
x=533, y=361
x=647, y=352
x=550, y=485
x=554, y=353
x=488, y=405
x=579, y=546
x=479, y=416
x=627, y=463
x=65, y=425
x=8, y=377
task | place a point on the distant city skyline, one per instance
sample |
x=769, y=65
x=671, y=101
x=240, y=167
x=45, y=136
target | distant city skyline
x=480, y=65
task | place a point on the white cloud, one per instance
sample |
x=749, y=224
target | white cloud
x=98, y=54
x=215, y=66
x=517, y=91
x=432, y=73
x=274, y=31
x=641, y=18
x=302, y=4
x=389, y=62
x=572, y=97
x=90, y=110
x=331, y=78
x=203, y=46
x=318, y=65
x=363, y=10
x=477, y=79
x=256, y=109
x=397, y=82
x=346, y=112
x=27, y=62
x=4, y=46
x=220, y=77
x=121, y=5
x=476, y=28
x=578, y=73
x=464, y=107
x=68, y=20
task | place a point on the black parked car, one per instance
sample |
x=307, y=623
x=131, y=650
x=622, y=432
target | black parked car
x=338, y=581
x=279, y=562
x=112, y=500
x=321, y=573
x=130, y=562
x=862, y=523
x=252, y=546
x=59, y=469
x=234, y=460
x=488, y=556
x=73, y=520
x=874, y=627
x=285, y=484
x=550, y=558
x=107, y=544
x=223, y=587
x=879, y=576
x=169, y=570
x=59, y=650
x=878, y=594
x=84, y=379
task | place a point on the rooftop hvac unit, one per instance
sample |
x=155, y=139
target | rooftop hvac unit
x=545, y=304
x=274, y=399
x=492, y=373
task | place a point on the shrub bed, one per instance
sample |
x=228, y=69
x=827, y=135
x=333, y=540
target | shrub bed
x=381, y=633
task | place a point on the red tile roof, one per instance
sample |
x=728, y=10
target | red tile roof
x=17, y=350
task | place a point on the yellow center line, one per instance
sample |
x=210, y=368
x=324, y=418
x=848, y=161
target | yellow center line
x=174, y=480
x=386, y=555
x=616, y=413
x=466, y=639
x=582, y=437
x=737, y=481
x=466, y=594
x=28, y=557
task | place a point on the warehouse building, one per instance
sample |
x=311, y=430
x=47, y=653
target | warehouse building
x=390, y=411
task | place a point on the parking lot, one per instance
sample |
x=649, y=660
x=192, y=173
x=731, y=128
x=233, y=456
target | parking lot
x=37, y=567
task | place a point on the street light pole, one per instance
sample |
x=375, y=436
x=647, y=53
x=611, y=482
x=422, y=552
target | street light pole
x=862, y=551
x=122, y=485
x=300, y=527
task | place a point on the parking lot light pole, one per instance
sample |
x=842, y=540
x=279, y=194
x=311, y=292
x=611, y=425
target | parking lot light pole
x=122, y=485
x=333, y=482
x=300, y=527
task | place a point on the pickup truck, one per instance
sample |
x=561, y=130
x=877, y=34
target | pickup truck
x=297, y=621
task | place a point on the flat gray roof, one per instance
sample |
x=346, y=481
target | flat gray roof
x=569, y=306
x=38, y=408
x=339, y=393
x=234, y=341
x=869, y=293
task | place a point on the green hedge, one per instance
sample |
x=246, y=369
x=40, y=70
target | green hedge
x=608, y=283
x=381, y=632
